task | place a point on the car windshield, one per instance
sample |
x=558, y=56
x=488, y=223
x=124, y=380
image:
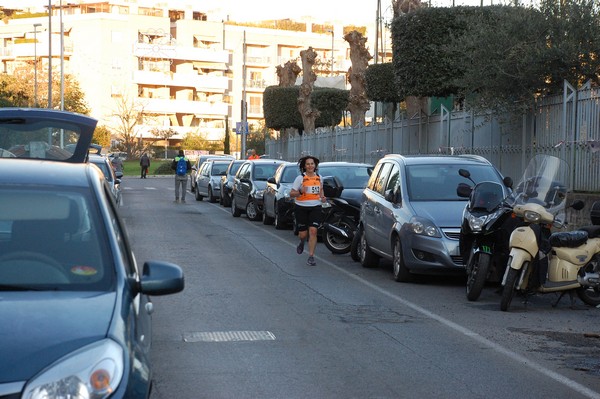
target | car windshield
x=219, y=169
x=436, y=182
x=52, y=240
x=263, y=172
x=234, y=168
x=289, y=174
x=351, y=176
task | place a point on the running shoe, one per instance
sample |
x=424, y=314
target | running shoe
x=300, y=247
x=311, y=261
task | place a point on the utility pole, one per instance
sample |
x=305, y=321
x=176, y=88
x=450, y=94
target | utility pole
x=244, y=105
x=49, y=53
x=35, y=62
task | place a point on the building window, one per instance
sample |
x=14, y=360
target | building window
x=255, y=105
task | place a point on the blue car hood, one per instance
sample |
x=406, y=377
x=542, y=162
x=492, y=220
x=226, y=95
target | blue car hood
x=442, y=213
x=38, y=328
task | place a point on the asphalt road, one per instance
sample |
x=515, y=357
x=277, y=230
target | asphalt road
x=254, y=321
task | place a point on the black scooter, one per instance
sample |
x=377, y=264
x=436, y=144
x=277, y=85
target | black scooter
x=339, y=219
x=485, y=231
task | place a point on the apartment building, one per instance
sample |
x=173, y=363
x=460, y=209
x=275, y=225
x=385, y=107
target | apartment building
x=185, y=70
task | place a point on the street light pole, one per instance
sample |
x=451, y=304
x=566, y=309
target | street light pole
x=35, y=96
x=332, y=62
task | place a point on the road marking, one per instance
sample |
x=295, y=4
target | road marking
x=228, y=336
x=585, y=391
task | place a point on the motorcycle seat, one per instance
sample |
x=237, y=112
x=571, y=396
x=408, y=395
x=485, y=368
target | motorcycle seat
x=569, y=239
x=593, y=231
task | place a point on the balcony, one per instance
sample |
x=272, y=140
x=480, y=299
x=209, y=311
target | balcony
x=29, y=49
x=258, y=61
x=168, y=106
x=209, y=133
x=215, y=84
x=148, y=50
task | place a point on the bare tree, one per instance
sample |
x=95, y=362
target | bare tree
x=359, y=56
x=127, y=115
x=307, y=112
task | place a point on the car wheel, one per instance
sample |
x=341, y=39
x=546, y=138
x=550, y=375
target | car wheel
x=401, y=273
x=192, y=188
x=355, y=247
x=211, y=196
x=252, y=211
x=198, y=196
x=367, y=257
x=279, y=223
x=234, y=211
x=268, y=220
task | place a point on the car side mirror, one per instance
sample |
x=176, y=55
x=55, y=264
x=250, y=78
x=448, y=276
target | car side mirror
x=271, y=180
x=508, y=181
x=119, y=175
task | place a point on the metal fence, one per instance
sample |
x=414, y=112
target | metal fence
x=567, y=126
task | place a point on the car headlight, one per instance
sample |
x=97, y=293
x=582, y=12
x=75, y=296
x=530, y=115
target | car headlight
x=423, y=226
x=286, y=193
x=259, y=193
x=532, y=216
x=92, y=372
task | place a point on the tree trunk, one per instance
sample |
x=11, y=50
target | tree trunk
x=307, y=112
x=358, y=103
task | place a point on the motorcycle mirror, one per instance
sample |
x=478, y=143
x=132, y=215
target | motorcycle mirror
x=463, y=190
x=508, y=181
x=578, y=205
x=464, y=173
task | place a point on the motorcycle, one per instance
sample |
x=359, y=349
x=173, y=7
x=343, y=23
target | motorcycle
x=539, y=260
x=339, y=219
x=485, y=230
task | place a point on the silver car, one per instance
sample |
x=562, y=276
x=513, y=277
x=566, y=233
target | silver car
x=198, y=164
x=208, y=179
x=411, y=213
x=110, y=176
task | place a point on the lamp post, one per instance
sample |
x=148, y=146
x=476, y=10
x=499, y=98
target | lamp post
x=332, y=62
x=35, y=100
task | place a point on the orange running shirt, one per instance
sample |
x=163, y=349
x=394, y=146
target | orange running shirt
x=311, y=190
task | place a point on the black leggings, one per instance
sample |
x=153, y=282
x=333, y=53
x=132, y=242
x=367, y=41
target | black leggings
x=307, y=216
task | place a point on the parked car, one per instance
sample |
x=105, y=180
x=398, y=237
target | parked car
x=249, y=185
x=411, y=213
x=227, y=182
x=110, y=175
x=278, y=206
x=208, y=179
x=353, y=176
x=75, y=303
x=199, y=161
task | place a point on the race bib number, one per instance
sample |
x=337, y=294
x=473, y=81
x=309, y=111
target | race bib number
x=312, y=189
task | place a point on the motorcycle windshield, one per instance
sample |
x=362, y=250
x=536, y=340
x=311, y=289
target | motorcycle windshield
x=486, y=196
x=546, y=182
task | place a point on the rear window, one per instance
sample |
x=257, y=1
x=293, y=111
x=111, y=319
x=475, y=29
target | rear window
x=39, y=141
x=52, y=239
x=350, y=176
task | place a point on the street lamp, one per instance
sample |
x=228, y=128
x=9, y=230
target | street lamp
x=35, y=100
x=331, y=31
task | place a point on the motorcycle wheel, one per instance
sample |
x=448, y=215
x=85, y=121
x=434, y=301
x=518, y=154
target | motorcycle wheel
x=589, y=295
x=479, y=267
x=508, y=292
x=337, y=244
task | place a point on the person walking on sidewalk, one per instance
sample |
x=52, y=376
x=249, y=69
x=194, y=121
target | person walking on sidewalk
x=144, y=164
x=307, y=189
x=181, y=165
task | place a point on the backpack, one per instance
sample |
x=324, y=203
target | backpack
x=181, y=168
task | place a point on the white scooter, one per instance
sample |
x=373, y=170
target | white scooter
x=573, y=258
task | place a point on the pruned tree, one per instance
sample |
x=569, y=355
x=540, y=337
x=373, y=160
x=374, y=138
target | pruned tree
x=308, y=113
x=288, y=73
x=358, y=103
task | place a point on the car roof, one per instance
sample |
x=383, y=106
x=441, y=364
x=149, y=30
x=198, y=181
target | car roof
x=25, y=131
x=27, y=172
x=438, y=159
x=343, y=163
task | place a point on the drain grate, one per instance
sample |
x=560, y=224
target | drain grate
x=228, y=336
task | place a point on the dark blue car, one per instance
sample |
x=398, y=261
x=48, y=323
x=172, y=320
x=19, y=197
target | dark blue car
x=75, y=305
